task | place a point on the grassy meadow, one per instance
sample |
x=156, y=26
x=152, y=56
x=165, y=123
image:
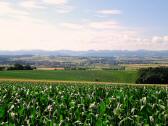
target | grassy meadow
x=73, y=75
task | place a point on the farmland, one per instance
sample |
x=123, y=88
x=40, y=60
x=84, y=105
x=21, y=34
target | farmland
x=101, y=95
x=46, y=103
x=140, y=66
x=73, y=75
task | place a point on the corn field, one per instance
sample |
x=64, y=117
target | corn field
x=39, y=104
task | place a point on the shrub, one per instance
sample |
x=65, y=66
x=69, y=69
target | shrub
x=2, y=68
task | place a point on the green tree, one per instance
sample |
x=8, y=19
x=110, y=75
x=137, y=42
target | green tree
x=157, y=75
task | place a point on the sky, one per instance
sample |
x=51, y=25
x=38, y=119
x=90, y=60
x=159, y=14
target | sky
x=83, y=25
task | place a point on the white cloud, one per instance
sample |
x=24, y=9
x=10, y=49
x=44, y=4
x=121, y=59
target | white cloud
x=72, y=25
x=104, y=25
x=157, y=39
x=31, y=4
x=26, y=7
x=16, y=14
x=97, y=25
x=125, y=40
x=165, y=38
x=61, y=6
x=110, y=12
x=22, y=18
x=27, y=34
x=6, y=9
x=17, y=35
x=160, y=39
x=64, y=9
x=56, y=2
x=24, y=31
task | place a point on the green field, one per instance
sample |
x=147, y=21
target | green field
x=53, y=104
x=73, y=98
x=73, y=75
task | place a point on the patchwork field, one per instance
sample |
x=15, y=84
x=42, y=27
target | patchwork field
x=139, y=66
x=73, y=75
x=46, y=103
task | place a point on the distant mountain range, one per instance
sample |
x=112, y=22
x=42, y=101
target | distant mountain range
x=104, y=53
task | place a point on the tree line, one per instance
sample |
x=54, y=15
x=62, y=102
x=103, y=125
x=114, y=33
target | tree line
x=157, y=75
x=18, y=67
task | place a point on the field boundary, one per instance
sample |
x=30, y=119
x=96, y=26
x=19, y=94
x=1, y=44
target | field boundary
x=79, y=82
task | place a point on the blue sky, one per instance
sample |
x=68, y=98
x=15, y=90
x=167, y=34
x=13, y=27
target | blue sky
x=84, y=24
